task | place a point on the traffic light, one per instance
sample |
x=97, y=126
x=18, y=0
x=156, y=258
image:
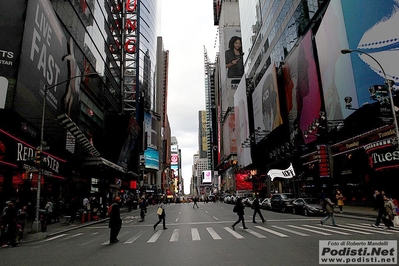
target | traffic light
x=38, y=159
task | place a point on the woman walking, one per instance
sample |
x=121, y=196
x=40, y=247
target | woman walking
x=340, y=200
x=239, y=209
x=161, y=215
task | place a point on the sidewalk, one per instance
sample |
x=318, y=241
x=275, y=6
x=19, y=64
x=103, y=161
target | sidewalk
x=354, y=212
x=61, y=227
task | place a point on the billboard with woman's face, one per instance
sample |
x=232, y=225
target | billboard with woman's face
x=266, y=106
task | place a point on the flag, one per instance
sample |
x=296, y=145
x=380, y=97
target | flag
x=287, y=173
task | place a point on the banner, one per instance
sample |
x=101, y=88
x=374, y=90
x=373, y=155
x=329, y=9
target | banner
x=287, y=173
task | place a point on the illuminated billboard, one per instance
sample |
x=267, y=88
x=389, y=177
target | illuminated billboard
x=206, y=176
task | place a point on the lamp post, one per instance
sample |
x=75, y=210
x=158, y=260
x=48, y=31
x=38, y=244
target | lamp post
x=387, y=81
x=36, y=224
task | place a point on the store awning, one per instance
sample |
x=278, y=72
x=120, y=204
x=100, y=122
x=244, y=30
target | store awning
x=101, y=161
x=69, y=125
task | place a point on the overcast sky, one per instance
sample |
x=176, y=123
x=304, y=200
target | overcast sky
x=186, y=27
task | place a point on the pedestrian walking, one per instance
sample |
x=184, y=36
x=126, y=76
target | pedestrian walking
x=340, y=200
x=239, y=209
x=115, y=221
x=72, y=210
x=143, y=208
x=10, y=225
x=328, y=205
x=195, y=200
x=161, y=214
x=256, y=207
x=379, y=206
x=390, y=212
x=22, y=216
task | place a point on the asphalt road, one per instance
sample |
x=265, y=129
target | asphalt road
x=194, y=237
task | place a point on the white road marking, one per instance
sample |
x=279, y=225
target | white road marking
x=271, y=231
x=255, y=233
x=213, y=233
x=289, y=230
x=234, y=233
x=195, y=234
x=54, y=237
x=354, y=226
x=78, y=234
x=175, y=235
x=355, y=231
x=310, y=230
x=134, y=238
x=155, y=237
x=328, y=230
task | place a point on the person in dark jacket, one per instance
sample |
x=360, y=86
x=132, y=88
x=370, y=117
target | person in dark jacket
x=10, y=222
x=239, y=209
x=329, y=207
x=256, y=207
x=115, y=221
x=379, y=206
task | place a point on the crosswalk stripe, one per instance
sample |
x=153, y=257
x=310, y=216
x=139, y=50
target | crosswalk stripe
x=368, y=229
x=271, y=231
x=234, y=233
x=342, y=227
x=328, y=230
x=310, y=230
x=175, y=235
x=394, y=230
x=255, y=233
x=213, y=233
x=291, y=231
x=368, y=226
x=155, y=237
x=195, y=234
x=134, y=238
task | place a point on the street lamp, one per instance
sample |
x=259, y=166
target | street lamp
x=387, y=81
x=36, y=224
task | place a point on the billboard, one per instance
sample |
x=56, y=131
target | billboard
x=151, y=157
x=241, y=126
x=356, y=25
x=302, y=88
x=266, y=106
x=206, y=176
x=47, y=59
x=11, y=29
x=174, y=159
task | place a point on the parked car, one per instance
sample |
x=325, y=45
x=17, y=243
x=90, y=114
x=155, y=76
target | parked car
x=307, y=206
x=282, y=201
x=266, y=204
x=248, y=201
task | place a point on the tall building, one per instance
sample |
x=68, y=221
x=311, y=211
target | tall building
x=92, y=132
x=300, y=98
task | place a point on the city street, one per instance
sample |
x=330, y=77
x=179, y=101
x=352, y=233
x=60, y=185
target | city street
x=201, y=236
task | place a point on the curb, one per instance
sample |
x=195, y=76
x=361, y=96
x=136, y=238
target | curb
x=40, y=236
